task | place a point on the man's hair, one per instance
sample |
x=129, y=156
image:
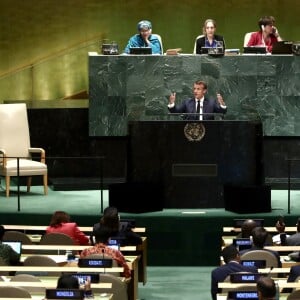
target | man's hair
x=259, y=236
x=266, y=286
x=229, y=253
x=247, y=228
x=201, y=82
x=2, y=231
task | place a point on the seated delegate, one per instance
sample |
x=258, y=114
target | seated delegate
x=209, y=39
x=145, y=38
x=267, y=35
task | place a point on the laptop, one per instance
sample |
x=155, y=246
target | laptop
x=244, y=277
x=94, y=263
x=258, y=263
x=282, y=47
x=75, y=294
x=242, y=243
x=114, y=244
x=16, y=245
x=255, y=50
x=140, y=50
x=236, y=295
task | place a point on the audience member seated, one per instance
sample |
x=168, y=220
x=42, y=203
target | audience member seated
x=209, y=39
x=67, y=281
x=7, y=253
x=266, y=288
x=246, y=231
x=60, y=223
x=111, y=219
x=280, y=238
x=102, y=236
x=259, y=236
x=232, y=264
x=267, y=35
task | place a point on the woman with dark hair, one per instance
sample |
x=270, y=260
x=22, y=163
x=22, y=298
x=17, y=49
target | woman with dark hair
x=61, y=223
x=267, y=35
x=209, y=39
x=124, y=234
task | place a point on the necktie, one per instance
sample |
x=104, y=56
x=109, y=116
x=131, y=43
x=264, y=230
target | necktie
x=198, y=107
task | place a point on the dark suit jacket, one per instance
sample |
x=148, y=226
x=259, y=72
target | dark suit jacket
x=220, y=273
x=201, y=43
x=294, y=274
x=210, y=106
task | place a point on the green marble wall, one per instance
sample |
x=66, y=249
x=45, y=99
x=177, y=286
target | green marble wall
x=124, y=88
x=44, y=43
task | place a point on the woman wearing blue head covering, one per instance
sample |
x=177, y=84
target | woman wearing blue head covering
x=145, y=38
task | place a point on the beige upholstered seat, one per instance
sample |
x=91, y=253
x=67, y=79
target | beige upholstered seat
x=13, y=292
x=195, y=44
x=13, y=235
x=270, y=258
x=15, y=147
x=40, y=261
x=29, y=278
x=56, y=239
x=119, y=286
x=247, y=38
x=161, y=44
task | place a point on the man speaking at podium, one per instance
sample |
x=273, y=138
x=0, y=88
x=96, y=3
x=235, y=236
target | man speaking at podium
x=199, y=107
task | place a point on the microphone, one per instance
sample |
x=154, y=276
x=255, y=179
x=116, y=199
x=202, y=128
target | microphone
x=268, y=274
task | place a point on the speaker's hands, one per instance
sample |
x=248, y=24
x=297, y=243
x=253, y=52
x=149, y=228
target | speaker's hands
x=220, y=99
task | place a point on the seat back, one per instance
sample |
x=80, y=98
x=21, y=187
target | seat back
x=161, y=44
x=28, y=278
x=118, y=289
x=13, y=292
x=40, y=261
x=195, y=44
x=14, y=123
x=56, y=239
x=13, y=235
x=270, y=258
x=247, y=38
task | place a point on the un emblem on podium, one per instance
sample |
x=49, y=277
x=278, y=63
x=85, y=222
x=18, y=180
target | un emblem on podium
x=194, y=132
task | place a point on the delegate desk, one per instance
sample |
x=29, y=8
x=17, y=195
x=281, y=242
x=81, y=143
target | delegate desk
x=70, y=266
x=192, y=168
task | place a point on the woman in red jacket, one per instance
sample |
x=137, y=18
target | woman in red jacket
x=60, y=223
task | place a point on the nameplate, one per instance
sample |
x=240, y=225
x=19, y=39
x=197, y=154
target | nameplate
x=95, y=263
x=244, y=277
x=75, y=294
